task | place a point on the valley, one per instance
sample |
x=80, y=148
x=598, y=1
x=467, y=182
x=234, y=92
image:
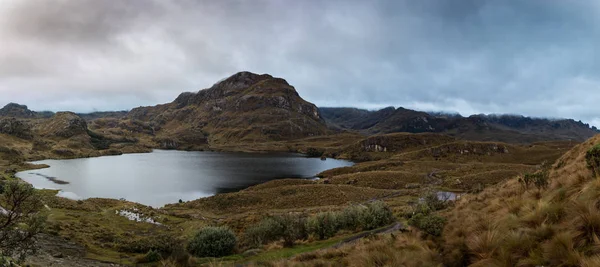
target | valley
x=401, y=156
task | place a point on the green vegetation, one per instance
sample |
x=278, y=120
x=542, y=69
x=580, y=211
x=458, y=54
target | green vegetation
x=592, y=157
x=287, y=227
x=424, y=218
x=323, y=225
x=20, y=219
x=213, y=242
x=539, y=179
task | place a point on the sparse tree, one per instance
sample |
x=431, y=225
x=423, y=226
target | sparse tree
x=20, y=219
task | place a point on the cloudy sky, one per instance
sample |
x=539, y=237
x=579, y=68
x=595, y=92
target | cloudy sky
x=534, y=57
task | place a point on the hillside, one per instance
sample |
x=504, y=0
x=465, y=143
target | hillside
x=513, y=224
x=244, y=108
x=502, y=128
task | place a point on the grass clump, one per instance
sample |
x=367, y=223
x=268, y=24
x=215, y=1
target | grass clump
x=213, y=242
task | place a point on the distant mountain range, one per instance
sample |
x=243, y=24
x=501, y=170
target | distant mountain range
x=251, y=109
x=503, y=128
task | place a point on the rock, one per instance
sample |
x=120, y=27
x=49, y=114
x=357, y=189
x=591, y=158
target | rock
x=17, y=111
x=15, y=127
x=64, y=124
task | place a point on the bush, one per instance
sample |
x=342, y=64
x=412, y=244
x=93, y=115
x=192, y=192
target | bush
x=376, y=215
x=592, y=157
x=287, y=227
x=151, y=256
x=324, y=225
x=424, y=218
x=434, y=202
x=351, y=218
x=429, y=223
x=164, y=244
x=539, y=179
x=213, y=242
x=21, y=221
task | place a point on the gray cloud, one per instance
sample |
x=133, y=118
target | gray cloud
x=537, y=57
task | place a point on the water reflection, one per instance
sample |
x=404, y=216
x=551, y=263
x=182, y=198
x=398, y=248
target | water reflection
x=163, y=177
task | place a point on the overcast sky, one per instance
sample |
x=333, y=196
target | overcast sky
x=534, y=57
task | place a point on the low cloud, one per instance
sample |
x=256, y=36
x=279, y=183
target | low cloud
x=537, y=58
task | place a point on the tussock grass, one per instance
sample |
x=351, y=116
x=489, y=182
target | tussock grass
x=508, y=225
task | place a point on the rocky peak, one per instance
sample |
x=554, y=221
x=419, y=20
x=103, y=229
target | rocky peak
x=241, y=80
x=65, y=124
x=16, y=110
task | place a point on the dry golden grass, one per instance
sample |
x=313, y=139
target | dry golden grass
x=507, y=225
x=283, y=197
x=380, y=250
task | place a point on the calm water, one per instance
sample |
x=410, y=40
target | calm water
x=163, y=176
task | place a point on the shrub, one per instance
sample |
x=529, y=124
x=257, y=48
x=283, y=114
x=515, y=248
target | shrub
x=324, y=225
x=424, y=218
x=151, y=256
x=261, y=233
x=351, y=218
x=429, y=223
x=434, y=202
x=21, y=221
x=287, y=227
x=592, y=157
x=213, y=242
x=294, y=229
x=164, y=244
x=376, y=215
x=539, y=179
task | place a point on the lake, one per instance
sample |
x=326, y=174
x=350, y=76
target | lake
x=165, y=176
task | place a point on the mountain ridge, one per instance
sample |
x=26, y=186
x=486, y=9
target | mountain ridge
x=505, y=128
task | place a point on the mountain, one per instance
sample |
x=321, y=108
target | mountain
x=21, y=111
x=17, y=111
x=503, y=128
x=243, y=108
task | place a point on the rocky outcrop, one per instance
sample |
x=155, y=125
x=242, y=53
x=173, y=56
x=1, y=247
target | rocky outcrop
x=15, y=127
x=65, y=125
x=17, y=111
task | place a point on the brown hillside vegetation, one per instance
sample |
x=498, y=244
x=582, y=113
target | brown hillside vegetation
x=245, y=107
x=515, y=225
x=509, y=224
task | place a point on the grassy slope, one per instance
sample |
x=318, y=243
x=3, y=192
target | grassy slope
x=507, y=225
x=86, y=222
